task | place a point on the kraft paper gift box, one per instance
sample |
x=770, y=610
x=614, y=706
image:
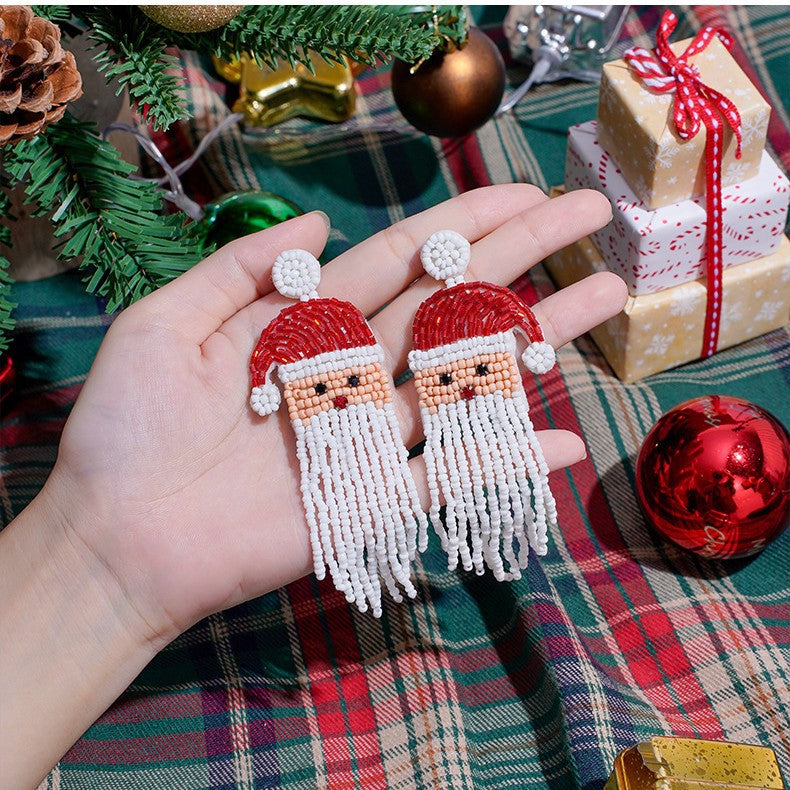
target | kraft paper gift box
x=653, y=250
x=659, y=331
x=636, y=127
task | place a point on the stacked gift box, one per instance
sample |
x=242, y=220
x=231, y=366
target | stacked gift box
x=656, y=240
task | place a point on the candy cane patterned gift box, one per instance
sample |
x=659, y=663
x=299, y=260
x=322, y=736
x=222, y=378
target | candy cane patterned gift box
x=653, y=250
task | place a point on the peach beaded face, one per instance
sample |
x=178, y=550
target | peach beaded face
x=337, y=389
x=462, y=379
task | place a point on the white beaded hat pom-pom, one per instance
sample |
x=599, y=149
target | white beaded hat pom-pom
x=539, y=357
x=445, y=256
x=296, y=274
x=265, y=399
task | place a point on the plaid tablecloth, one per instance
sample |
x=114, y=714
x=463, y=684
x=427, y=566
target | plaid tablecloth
x=614, y=636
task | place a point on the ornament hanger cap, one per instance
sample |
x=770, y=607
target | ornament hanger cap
x=296, y=274
x=445, y=256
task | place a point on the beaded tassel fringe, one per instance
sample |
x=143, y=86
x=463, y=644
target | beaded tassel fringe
x=484, y=461
x=360, y=502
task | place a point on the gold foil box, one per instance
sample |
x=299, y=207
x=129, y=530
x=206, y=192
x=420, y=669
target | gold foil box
x=668, y=763
x=659, y=331
x=636, y=127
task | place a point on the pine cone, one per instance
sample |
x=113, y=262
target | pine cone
x=37, y=76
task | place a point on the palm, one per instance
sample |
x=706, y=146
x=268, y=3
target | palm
x=195, y=500
x=210, y=492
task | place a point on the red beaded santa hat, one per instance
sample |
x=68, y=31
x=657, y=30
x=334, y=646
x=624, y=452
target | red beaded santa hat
x=466, y=319
x=309, y=338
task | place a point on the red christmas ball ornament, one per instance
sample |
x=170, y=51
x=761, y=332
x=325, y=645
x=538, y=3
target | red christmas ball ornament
x=713, y=476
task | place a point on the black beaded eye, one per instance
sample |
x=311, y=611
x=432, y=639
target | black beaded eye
x=320, y=388
x=482, y=370
x=446, y=378
x=353, y=381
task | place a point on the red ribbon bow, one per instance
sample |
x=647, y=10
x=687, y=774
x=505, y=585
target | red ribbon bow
x=695, y=104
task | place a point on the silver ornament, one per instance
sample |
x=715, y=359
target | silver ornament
x=560, y=42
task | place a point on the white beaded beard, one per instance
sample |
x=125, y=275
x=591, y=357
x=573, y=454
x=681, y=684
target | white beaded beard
x=483, y=459
x=360, y=502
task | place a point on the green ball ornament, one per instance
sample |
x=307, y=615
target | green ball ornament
x=241, y=213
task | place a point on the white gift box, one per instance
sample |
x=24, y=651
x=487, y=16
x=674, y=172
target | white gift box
x=654, y=250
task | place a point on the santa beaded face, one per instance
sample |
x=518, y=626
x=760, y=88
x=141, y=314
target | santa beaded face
x=337, y=389
x=481, y=454
x=360, y=500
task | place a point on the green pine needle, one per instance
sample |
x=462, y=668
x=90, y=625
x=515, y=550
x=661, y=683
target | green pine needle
x=115, y=226
x=55, y=13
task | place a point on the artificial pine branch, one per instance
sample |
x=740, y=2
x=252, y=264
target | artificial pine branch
x=131, y=52
x=284, y=33
x=6, y=305
x=114, y=225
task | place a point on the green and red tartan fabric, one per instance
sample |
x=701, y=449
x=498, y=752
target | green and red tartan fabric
x=612, y=637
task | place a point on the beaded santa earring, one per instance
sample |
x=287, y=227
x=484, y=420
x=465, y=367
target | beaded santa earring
x=481, y=453
x=360, y=500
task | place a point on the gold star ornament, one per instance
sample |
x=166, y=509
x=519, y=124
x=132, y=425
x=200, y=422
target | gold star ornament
x=270, y=96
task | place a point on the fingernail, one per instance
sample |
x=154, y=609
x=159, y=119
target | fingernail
x=324, y=216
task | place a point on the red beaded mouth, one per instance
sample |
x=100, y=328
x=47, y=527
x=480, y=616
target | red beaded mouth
x=467, y=393
x=340, y=402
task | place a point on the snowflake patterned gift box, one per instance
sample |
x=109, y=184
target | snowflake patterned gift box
x=635, y=126
x=659, y=331
x=653, y=250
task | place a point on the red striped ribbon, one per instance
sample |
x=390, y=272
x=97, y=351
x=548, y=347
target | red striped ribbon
x=695, y=104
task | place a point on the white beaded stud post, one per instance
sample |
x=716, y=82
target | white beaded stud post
x=296, y=274
x=445, y=256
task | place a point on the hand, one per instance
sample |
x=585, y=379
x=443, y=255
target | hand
x=190, y=499
x=171, y=499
